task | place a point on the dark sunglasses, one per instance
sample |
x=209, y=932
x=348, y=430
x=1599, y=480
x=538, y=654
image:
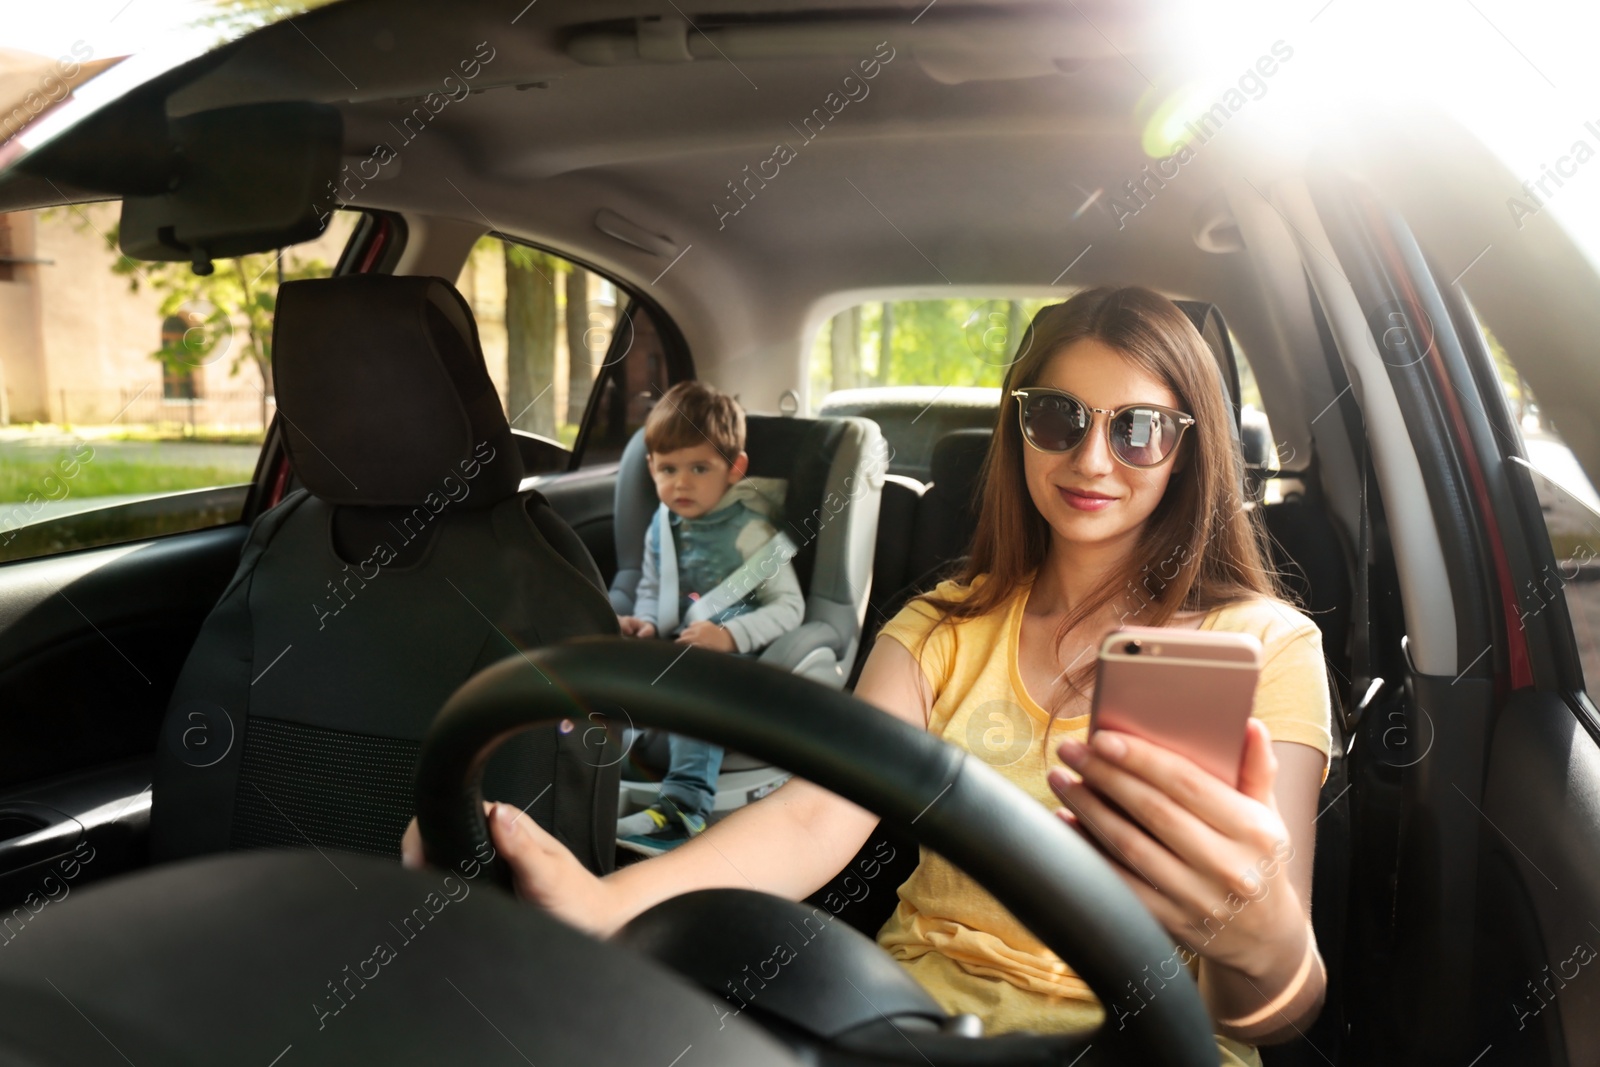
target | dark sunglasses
x=1141, y=435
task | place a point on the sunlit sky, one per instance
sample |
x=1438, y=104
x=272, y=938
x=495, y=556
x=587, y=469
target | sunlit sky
x=1519, y=74
x=110, y=27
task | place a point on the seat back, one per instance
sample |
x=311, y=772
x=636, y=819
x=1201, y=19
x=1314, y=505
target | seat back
x=408, y=562
x=947, y=514
x=834, y=470
x=1313, y=562
x=1208, y=320
x=897, y=525
x=936, y=533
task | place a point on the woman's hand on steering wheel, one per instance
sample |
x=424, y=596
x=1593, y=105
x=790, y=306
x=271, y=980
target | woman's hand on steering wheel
x=1209, y=861
x=543, y=870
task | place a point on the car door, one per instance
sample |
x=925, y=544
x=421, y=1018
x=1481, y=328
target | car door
x=579, y=360
x=141, y=443
x=1476, y=810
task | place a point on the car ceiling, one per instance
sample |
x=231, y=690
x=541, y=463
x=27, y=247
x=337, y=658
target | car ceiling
x=951, y=174
x=965, y=169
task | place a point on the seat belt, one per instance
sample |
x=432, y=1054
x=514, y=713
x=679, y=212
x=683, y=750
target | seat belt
x=1364, y=688
x=667, y=567
x=776, y=550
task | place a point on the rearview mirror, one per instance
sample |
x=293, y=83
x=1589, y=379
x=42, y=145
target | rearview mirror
x=245, y=179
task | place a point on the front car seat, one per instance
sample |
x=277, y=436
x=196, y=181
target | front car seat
x=408, y=562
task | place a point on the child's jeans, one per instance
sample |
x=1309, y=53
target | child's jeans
x=691, y=781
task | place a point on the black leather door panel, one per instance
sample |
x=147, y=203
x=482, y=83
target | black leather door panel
x=91, y=643
x=1542, y=817
x=63, y=833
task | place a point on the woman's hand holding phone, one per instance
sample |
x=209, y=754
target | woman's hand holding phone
x=1208, y=860
x=1176, y=786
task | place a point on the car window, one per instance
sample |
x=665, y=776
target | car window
x=923, y=368
x=545, y=324
x=1571, y=514
x=920, y=369
x=134, y=396
x=957, y=343
x=638, y=372
x=555, y=332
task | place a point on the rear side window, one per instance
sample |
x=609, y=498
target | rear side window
x=545, y=324
x=563, y=344
x=135, y=395
x=636, y=375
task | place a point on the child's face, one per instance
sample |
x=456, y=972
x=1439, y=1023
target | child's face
x=690, y=481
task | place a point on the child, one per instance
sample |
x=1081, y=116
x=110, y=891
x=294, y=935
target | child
x=708, y=556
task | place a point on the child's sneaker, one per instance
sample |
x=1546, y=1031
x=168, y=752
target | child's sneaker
x=659, y=828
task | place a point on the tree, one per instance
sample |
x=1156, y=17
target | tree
x=1518, y=394
x=531, y=338
x=846, y=348
x=1016, y=322
x=959, y=342
x=880, y=375
x=580, y=360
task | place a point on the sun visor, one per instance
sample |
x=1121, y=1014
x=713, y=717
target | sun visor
x=246, y=179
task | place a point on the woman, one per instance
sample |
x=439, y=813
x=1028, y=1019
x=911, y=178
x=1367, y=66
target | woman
x=1109, y=498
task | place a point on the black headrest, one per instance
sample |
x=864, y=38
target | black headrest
x=1208, y=320
x=958, y=461
x=384, y=394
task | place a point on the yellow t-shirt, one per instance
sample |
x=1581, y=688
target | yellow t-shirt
x=956, y=939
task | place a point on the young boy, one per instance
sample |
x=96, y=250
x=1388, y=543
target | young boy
x=716, y=574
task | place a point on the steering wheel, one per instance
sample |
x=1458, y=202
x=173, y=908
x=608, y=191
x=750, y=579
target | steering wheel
x=1052, y=880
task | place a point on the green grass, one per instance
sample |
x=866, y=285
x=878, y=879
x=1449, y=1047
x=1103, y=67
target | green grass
x=180, y=433
x=100, y=477
x=164, y=431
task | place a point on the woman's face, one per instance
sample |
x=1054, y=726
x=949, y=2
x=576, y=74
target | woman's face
x=1086, y=495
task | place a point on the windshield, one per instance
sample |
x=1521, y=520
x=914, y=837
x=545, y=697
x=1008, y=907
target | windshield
x=1517, y=76
x=61, y=61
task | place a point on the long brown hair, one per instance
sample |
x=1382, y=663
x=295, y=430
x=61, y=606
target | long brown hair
x=1199, y=550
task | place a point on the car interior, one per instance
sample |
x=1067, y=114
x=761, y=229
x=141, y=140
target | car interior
x=241, y=768
x=466, y=586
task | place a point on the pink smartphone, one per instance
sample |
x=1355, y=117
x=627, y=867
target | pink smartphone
x=1187, y=690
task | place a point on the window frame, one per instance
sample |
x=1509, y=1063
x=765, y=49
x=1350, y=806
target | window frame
x=1552, y=635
